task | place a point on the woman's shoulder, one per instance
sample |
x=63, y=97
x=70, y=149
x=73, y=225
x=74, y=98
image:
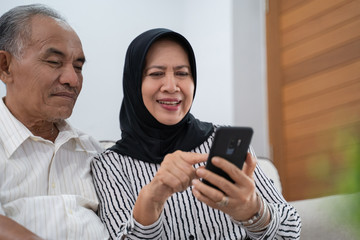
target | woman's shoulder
x=111, y=160
x=217, y=126
x=111, y=156
x=108, y=156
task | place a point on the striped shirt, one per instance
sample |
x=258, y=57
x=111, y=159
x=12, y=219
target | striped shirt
x=119, y=179
x=47, y=187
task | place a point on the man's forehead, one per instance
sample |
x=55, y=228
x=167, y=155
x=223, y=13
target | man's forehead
x=52, y=36
x=58, y=52
x=44, y=24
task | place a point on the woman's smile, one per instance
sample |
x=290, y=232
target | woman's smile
x=169, y=104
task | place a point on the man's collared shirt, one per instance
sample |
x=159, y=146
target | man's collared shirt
x=47, y=187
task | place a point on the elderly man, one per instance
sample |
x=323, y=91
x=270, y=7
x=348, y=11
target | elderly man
x=46, y=189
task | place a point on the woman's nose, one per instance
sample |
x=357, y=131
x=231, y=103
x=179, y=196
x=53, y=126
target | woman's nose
x=169, y=83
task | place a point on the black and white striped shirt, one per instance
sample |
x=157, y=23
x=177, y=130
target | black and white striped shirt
x=119, y=179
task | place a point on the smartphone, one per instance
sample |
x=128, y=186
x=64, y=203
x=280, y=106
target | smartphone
x=231, y=143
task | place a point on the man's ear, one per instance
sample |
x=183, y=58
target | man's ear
x=5, y=59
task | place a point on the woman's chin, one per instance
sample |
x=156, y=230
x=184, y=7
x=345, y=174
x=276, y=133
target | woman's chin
x=169, y=121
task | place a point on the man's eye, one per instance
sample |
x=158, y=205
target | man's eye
x=78, y=68
x=53, y=62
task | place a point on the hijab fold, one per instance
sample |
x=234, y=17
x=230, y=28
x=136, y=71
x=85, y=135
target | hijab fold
x=142, y=136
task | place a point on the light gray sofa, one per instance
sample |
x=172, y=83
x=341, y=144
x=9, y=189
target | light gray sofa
x=328, y=217
x=324, y=218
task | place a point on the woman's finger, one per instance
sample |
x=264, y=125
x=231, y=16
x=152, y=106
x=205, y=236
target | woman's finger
x=249, y=165
x=206, y=194
x=225, y=185
x=235, y=173
x=177, y=170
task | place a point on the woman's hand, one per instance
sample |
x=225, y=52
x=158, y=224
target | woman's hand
x=242, y=200
x=174, y=175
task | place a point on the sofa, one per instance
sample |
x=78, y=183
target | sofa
x=326, y=218
x=323, y=218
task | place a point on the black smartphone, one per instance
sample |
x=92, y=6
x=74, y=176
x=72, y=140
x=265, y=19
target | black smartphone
x=231, y=143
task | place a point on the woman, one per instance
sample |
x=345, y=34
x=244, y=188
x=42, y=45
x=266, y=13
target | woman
x=148, y=183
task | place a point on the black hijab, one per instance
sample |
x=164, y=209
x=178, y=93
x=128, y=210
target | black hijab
x=143, y=137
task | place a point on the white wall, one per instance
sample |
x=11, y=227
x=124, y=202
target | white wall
x=107, y=27
x=249, y=82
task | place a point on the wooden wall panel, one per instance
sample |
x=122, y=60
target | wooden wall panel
x=315, y=105
x=319, y=174
x=324, y=81
x=314, y=78
x=306, y=11
x=321, y=43
x=341, y=116
x=320, y=142
x=318, y=166
x=322, y=23
x=275, y=88
x=288, y=4
x=327, y=60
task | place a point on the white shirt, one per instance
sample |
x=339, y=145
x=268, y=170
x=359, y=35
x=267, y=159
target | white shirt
x=47, y=187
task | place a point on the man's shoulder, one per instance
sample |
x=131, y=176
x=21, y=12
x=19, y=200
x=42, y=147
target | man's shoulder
x=87, y=141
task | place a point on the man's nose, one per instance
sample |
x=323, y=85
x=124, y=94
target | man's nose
x=70, y=76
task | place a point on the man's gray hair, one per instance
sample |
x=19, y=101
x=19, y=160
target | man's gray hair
x=15, y=26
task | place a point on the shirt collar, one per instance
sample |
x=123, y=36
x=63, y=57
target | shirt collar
x=13, y=133
x=66, y=132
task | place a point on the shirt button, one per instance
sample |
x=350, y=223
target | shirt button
x=70, y=211
x=53, y=185
x=191, y=237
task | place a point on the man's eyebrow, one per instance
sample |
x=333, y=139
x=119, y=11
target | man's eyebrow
x=54, y=51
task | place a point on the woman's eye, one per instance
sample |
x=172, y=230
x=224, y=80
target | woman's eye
x=156, y=74
x=182, y=74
